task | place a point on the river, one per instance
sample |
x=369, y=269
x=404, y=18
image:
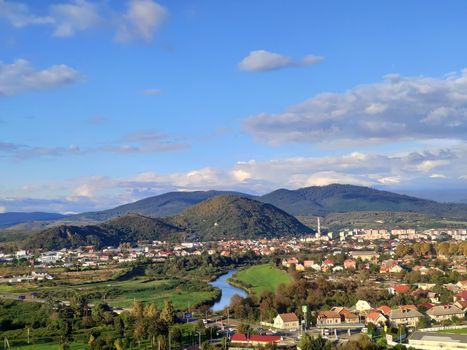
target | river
x=227, y=291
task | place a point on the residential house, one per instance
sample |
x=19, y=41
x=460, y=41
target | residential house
x=327, y=264
x=290, y=261
x=385, y=310
x=362, y=305
x=390, y=266
x=461, y=296
x=350, y=264
x=326, y=318
x=299, y=267
x=399, y=289
x=377, y=318
x=461, y=305
x=364, y=255
x=346, y=315
x=406, y=317
x=462, y=285
x=441, y=313
x=286, y=321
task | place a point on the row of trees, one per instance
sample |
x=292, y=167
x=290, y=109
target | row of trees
x=446, y=249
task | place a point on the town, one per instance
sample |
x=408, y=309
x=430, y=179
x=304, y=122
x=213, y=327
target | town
x=396, y=287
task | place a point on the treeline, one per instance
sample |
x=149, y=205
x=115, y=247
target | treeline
x=446, y=249
x=99, y=326
x=201, y=267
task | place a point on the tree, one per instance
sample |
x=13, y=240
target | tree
x=139, y=331
x=168, y=313
x=244, y=329
x=118, y=344
x=119, y=327
x=66, y=331
x=307, y=342
x=138, y=309
x=150, y=310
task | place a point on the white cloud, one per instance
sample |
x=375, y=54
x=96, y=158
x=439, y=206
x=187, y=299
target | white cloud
x=438, y=176
x=19, y=15
x=400, y=108
x=21, y=76
x=146, y=142
x=142, y=19
x=387, y=171
x=73, y=17
x=262, y=60
x=3, y=209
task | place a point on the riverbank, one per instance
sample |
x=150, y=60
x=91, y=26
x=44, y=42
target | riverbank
x=227, y=290
x=258, y=278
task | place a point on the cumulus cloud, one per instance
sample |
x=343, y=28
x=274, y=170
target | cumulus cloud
x=21, y=76
x=142, y=19
x=388, y=171
x=19, y=15
x=399, y=108
x=262, y=60
x=78, y=15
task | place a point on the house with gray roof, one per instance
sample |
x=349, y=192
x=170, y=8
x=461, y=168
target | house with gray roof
x=441, y=313
x=405, y=316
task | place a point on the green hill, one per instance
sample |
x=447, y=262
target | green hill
x=323, y=200
x=222, y=217
x=130, y=228
x=167, y=204
x=233, y=217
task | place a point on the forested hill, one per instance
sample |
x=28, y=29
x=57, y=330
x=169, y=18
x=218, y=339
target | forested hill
x=222, y=217
x=129, y=228
x=166, y=204
x=315, y=200
x=309, y=201
x=323, y=200
x=233, y=217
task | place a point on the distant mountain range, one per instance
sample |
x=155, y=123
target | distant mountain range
x=207, y=215
x=309, y=201
x=221, y=217
x=166, y=204
x=15, y=218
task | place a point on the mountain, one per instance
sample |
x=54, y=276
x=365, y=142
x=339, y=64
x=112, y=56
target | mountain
x=14, y=218
x=129, y=228
x=166, y=204
x=309, y=201
x=323, y=200
x=234, y=217
x=221, y=217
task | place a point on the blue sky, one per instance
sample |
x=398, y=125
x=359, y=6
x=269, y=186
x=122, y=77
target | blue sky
x=105, y=102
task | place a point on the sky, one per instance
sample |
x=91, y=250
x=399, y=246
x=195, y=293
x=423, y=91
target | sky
x=107, y=102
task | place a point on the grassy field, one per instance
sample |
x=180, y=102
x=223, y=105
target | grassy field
x=123, y=293
x=261, y=277
x=455, y=331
